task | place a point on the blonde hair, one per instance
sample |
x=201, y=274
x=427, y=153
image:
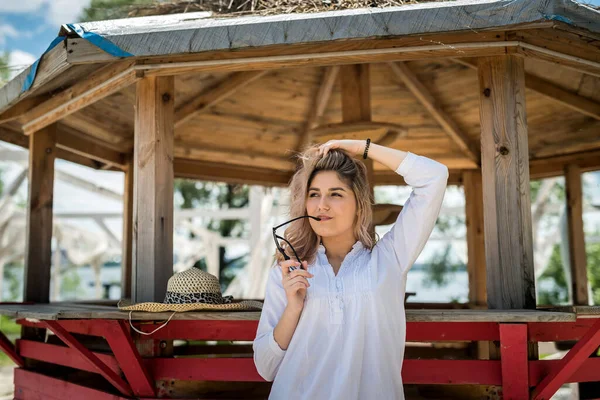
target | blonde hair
x=349, y=170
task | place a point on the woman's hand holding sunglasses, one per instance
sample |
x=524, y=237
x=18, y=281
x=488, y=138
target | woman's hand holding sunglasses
x=295, y=283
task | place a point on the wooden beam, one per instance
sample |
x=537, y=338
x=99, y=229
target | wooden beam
x=220, y=172
x=505, y=174
x=577, y=255
x=77, y=143
x=548, y=167
x=100, y=84
x=230, y=156
x=392, y=178
x=127, y=241
x=38, y=247
x=566, y=98
x=546, y=88
x=319, y=105
x=419, y=90
x=585, y=137
x=363, y=127
x=472, y=183
x=356, y=107
x=153, y=189
x=569, y=49
x=22, y=107
x=216, y=94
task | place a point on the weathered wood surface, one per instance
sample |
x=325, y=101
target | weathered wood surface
x=127, y=237
x=576, y=235
x=476, y=266
x=86, y=311
x=38, y=247
x=153, y=189
x=506, y=193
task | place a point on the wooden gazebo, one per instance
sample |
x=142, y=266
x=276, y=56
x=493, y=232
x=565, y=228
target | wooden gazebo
x=499, y=91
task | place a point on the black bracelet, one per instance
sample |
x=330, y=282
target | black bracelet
x=367, y=149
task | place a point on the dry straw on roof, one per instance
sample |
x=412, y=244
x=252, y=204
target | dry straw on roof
x=262, y=7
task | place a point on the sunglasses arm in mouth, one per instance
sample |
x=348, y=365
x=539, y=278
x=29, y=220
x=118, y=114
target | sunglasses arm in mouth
x=281, y=250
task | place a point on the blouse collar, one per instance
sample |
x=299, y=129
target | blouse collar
x=356, y=249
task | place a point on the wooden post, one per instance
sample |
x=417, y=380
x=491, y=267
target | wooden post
x=577, y=255
x=38, y=250
x=127, y=241
x=356, y=107
x=476, y=249
x=153, y=189
x=475, y=239
x=505, y=173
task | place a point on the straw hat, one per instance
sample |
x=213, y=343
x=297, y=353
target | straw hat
x=194, y=289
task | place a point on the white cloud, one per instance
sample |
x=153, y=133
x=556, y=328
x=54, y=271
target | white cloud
x=20, y=6
x=19, y=60
x=55, y=12
x=7, y=31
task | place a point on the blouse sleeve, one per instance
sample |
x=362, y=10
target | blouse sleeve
x=267, y=353
x=410, y=232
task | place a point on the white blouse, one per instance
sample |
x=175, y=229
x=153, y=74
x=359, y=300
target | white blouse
x=349, y=342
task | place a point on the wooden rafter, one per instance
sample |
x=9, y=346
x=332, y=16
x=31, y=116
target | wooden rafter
x=100, y=84
x=568, y=99
x=419, y=90
x=216, y=94
x=214, y=171
x=358, y=127
x=74, y=142
x=318, y=107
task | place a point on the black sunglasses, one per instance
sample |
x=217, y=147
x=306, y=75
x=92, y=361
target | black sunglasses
x=281, y=250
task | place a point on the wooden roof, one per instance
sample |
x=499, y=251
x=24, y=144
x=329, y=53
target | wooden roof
x=250, y=91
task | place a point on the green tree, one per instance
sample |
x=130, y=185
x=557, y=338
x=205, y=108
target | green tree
x=100, y=10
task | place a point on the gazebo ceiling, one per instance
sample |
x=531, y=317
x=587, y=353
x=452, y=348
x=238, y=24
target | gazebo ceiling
x=256, y=106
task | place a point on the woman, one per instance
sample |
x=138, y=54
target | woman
x=336, y=327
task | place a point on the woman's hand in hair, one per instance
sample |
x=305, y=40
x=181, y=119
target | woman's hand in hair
x=295, y=283
x=353, y=147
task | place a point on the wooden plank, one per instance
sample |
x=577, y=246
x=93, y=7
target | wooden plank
x=344, y=128
x=249, y=159
x=38, y=247
x=476, y=266
x=577, y=254
x=555, y=166
x=513, y=349
x=539, y=85
x=61, y=355
x=31, y=385
x=121, y=343
x=568, y=99
x=450, y=126
x=90, y=357
x=216, y=94
x=100, y=84
x=153, y=189
x=569, y=49
x=127, y=238
x=22, y=107
x=328, y=54
x=505, y=172
x=220, y=172
x=319, y=104
x=80, y=144
x=82, y=51
x=569, y=364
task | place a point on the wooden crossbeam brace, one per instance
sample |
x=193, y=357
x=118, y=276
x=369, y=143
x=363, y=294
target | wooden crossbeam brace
x=568, y=99
x=9, y=349
x=120, y=341
x=570, y=363
x=409, y=78
x=99, y=366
